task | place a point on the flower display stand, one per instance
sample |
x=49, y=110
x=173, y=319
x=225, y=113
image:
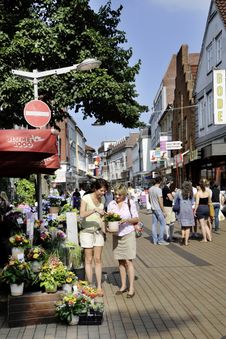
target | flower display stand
x=94, y=318
x=32, y=308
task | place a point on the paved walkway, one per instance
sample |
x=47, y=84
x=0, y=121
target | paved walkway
x=180, y=293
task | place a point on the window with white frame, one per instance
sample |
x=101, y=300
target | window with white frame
x=210, y=108
x=201, y=108
x=209, y=56
x=219, y=48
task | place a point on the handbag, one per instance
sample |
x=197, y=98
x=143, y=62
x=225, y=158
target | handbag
x=141, y=229
x=176, y=205
x=140, y=223
x=212, y=213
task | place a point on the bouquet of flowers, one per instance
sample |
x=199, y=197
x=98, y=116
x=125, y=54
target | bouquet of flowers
x=70, y=277
x=61, y=235
x=19, y=240
x=111, y=216
x=45, y=236
x=16, y=272
x=54, y=201
x=36, y=253
x=72, y=304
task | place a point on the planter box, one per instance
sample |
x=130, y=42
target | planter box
x=95, y=318
x=32, y=308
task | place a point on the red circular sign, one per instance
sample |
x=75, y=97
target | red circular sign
x=37, y=113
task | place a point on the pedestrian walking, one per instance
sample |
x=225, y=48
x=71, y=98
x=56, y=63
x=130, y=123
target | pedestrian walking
x=185, y=216
x=124, y=243
x=167, y=195
x=158, y=212
x=216, y=198
x=203, y=200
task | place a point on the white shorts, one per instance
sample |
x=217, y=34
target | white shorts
x=90, y=240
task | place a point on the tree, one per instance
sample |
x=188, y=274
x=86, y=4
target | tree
x=47, y=34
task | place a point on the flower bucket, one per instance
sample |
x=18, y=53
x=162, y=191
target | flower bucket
x=54, y=210
x=16, y=289
x=113, y=226
x=74, y=320
x=18, y=253
x=52, y=289
x=67, y=288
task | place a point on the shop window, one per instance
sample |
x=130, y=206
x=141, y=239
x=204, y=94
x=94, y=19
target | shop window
x=209, y=57
x=219, y=48
x=210, y=108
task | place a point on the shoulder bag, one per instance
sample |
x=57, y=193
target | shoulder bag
x=140, y=231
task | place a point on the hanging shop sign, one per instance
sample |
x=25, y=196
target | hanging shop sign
x=172, y=145
x=219, y=100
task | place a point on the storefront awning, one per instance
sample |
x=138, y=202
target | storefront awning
x=23, y=152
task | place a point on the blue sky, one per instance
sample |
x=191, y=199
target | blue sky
x=155, y=29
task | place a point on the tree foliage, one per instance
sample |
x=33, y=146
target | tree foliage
x=49, y=34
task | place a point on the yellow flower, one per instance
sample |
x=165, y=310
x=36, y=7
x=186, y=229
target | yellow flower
x=68, y=280
x=35, y=256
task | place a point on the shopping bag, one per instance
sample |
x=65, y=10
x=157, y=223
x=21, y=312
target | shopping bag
x=221, y=216
x=212, y=214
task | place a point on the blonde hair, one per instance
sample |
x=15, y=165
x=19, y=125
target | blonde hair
x=3, y=195
x=121, y=189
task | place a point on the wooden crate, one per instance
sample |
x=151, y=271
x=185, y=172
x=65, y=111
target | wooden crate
x=32, y=308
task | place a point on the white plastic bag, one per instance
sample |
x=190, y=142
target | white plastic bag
x=221, y=216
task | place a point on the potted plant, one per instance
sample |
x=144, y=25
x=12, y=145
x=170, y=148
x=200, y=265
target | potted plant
x=69, y=279
x=36, y=255
x=52, y=274
x=112, y=220
x=94, y=315
x=54, y=204
x=18, y=242
x=16, y=274
x=71, y=307
x=75, y=259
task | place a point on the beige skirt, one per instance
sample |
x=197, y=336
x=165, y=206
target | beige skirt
x=124, y=248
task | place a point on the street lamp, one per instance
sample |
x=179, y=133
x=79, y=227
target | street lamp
x=35, y=77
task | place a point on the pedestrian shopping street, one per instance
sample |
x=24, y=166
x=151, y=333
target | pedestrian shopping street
x=180, y=293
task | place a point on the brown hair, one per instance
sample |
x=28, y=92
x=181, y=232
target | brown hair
x=203, y=184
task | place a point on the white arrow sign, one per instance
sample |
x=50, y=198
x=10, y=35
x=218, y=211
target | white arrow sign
x=172, y=145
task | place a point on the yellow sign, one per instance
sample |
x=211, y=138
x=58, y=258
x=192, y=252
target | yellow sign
x=219, y=97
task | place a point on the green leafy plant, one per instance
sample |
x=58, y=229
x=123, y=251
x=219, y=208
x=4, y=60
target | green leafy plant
x=52, y=274
x=110, y=216
x=16, y=272
x=25, y=191
x=74, y=255
x=54, y=201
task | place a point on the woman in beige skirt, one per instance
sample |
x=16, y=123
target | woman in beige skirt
x=124, y=243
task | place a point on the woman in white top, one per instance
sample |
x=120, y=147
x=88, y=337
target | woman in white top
x=92, y=233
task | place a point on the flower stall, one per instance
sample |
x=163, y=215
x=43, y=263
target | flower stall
x=45, y=259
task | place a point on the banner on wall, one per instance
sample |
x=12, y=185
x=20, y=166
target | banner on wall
x=219, y=100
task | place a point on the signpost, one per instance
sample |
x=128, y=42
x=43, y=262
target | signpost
x=172, y=145
x=37, y=113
